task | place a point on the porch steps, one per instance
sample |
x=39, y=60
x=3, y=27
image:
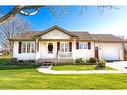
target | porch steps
x=47, y=63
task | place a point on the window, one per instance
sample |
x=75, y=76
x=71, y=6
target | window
x=80, y=45
x=23, y=47
x=32, y=47
x=64, y=47
x=83, y=45
x=28, y=47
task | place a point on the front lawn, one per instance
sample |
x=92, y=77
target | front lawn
x=21, y=77
x=76, y=67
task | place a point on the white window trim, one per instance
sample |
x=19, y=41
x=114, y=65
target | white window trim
x=64, y=46
x=26, y=47
x=83, y=45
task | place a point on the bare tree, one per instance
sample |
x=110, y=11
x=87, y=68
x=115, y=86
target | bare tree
x=12, y=28
x=25, y=10
x=122, y=37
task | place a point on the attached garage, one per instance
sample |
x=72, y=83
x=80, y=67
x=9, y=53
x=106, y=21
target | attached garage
x=110, y=53
x=109, y=47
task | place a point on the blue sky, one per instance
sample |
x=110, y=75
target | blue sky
x=111, y=21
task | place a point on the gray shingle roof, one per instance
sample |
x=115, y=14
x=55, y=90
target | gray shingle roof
x=81, y=36
x=107, y=38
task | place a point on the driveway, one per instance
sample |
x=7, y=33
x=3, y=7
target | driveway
x=120, y=65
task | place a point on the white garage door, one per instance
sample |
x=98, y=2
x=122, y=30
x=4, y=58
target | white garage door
x=110, y=53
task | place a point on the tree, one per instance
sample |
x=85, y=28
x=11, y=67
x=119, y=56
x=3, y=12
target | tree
x=12, y=28
x=26, y=10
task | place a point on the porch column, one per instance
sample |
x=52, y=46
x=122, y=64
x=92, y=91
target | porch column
x=99, y=52
x=37, y=49
x=74, y=48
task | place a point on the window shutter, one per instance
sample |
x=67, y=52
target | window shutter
x=89, y=45
x=70, y=46
x=20, y=45
x=77, y=45
x=58, y=46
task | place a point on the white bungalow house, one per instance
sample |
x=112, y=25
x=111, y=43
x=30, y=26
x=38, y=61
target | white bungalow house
x=58, y=43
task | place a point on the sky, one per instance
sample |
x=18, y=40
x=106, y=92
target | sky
x=109, y=22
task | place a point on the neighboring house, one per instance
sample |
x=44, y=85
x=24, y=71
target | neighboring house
x=57, y=43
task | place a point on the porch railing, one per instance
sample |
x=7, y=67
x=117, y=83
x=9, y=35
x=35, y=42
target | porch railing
x=64, y=55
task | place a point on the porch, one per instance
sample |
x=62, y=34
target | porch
x=60, y=50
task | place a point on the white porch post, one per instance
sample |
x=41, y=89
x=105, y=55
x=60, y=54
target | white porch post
x=99, y=52
x=74, y=48
x=37, y=49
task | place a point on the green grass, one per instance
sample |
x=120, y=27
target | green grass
x=76, y=67
x=22, y=77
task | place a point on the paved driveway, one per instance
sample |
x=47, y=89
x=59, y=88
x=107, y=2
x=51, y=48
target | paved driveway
x=120, y=65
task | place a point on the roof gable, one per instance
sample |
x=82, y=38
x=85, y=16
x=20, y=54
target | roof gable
x=53, y=28
x=55, y=34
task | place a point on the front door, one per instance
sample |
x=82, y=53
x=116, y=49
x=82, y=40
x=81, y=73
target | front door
x=50, y=47
x=50, y=51
x=96, y=52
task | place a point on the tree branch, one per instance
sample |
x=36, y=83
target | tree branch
x=11, y=14
x=29, y=14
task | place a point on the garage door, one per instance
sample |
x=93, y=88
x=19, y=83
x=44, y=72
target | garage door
x=110, y=53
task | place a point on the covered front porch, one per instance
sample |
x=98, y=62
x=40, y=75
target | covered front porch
x=55, y=43
x=47, y=50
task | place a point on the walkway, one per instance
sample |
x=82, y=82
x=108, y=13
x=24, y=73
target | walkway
x=120, y=66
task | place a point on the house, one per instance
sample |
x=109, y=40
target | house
x=58, y=43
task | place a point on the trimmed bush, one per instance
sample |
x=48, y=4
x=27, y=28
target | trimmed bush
x=101, y=65
x=92, y=60
x=80, y=61
x=13, y=60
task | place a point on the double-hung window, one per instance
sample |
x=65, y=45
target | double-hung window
x=32, y=47
x=83, y=45
x=28, y=47
x=23, y=47
x=64, y=47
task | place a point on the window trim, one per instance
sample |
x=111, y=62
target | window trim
x=26, y=47
x=33, y=44
x=64, y=46
x=83, y=45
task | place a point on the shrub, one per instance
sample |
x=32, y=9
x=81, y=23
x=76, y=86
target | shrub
x=101, y=65
x=93, y=60
x=13, y=60
x=125, y=58
x=80, y=61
